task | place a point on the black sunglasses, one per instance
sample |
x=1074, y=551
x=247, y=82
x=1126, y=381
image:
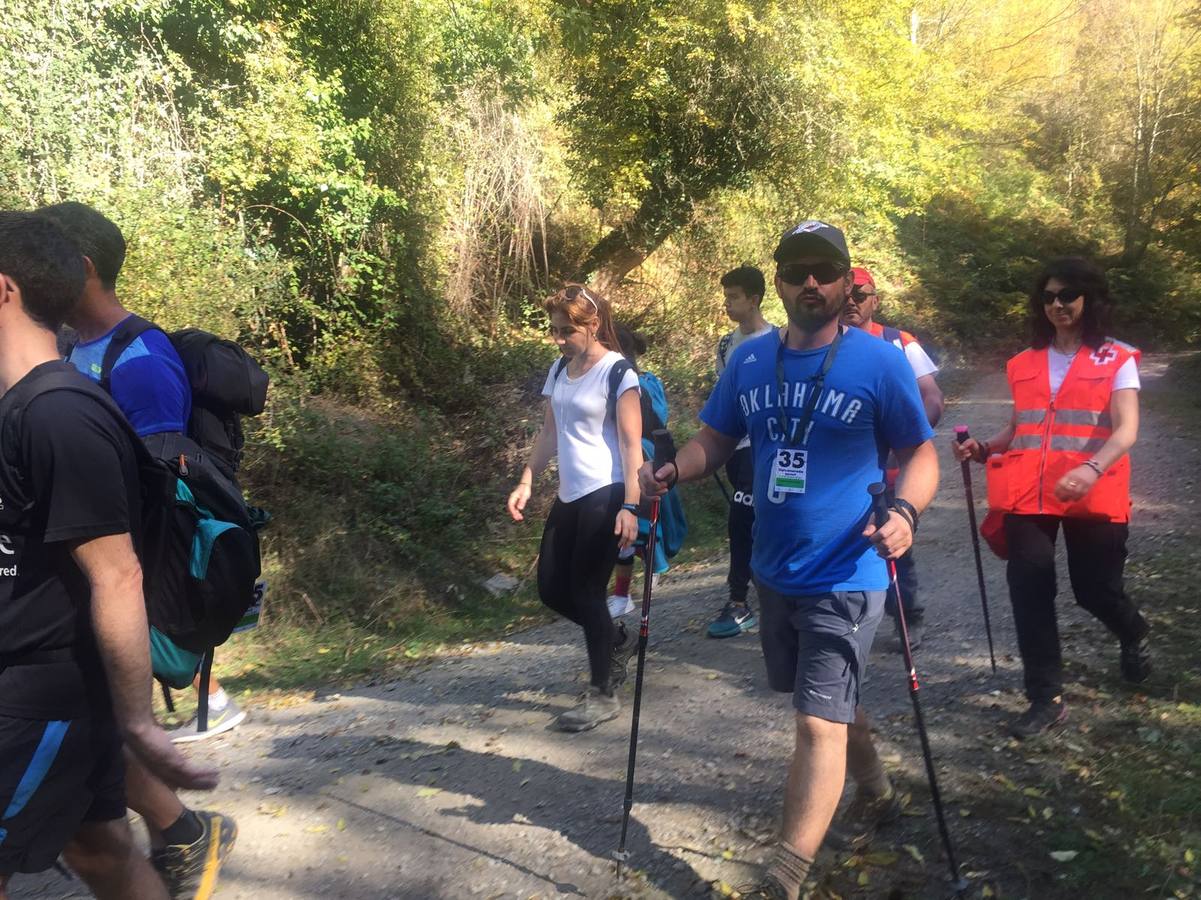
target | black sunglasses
x=1063, y=295
x=796, y=274
x=860, y=294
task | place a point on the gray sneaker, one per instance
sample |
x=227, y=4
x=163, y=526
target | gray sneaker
x=625, y=645
x=595, y=708
x=219, y=722
x=857, y=825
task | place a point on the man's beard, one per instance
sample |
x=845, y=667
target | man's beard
x=812, y=318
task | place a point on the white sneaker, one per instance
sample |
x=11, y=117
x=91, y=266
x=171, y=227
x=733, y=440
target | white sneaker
x=619, y=605
x=220, y=721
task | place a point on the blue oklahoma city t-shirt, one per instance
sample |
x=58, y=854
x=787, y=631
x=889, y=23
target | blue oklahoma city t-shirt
x=809, y=543
x=148, y=381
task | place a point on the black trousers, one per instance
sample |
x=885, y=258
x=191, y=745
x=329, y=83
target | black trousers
x=1096, y=560
x=576, y=559
x=740, y=522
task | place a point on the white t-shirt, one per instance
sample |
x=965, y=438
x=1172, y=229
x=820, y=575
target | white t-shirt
x=1059, y=363
x=919, y=360
x=586, y=438
x=725, y=348
x=727, y=343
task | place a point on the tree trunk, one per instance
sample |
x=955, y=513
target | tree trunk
x=661, y=214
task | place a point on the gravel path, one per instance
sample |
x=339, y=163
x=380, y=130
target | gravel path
x=450, y=784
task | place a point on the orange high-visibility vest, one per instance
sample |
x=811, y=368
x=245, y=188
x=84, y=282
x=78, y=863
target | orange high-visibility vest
x=900, y=339
x=1052, y=437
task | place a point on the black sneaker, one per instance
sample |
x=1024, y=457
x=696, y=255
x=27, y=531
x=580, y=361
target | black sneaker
x=190, y=870
x=625, y=645
x=1042, y=716
x=1136, y=660
x=857, y=826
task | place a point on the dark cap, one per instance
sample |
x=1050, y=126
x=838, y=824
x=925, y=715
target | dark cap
x=813, y=237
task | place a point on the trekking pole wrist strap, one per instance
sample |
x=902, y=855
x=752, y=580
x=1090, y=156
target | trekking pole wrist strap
x=908, y=510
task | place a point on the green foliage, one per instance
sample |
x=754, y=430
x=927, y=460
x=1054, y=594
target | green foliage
x=377, y=194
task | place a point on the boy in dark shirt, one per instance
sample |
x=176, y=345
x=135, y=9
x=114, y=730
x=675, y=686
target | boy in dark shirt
x=74, y=657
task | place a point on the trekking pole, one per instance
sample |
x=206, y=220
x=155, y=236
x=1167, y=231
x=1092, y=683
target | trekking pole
x=961, y=435
x=665, y=452
x=959, y=884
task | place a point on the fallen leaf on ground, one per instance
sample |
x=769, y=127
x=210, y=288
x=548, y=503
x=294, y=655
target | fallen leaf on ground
x=1064, y=855
x=914, y=852
x=429, y=791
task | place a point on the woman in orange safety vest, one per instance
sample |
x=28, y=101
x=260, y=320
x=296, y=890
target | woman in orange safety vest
x=1062, y=459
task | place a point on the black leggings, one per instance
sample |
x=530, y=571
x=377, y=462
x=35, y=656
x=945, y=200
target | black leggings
x=1096, y=559
x=577, y=556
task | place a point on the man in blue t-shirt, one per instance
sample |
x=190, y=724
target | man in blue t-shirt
x=823, y=405
x=150, y=386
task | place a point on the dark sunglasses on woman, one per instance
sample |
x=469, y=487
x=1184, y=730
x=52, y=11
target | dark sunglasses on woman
x=1063, y=295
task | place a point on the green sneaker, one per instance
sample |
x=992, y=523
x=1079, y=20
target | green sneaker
x=733, y=620
x=190, y=870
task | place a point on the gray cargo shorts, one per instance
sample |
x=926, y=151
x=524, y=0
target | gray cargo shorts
x=816, y=647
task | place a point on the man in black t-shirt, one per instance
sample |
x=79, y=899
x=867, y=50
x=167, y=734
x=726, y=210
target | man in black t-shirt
x=74, y=655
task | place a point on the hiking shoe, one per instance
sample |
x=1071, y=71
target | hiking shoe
x=595, y=708
x=1136, y=660
x=619, y=605
x=190, y=870
x=220, y=720
x=733, y=620
x=1043, y=715
x=857, y=825
x=625, y=645
x=767, y=889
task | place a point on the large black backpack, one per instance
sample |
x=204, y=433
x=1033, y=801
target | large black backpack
x=198, y=544
x=226, y=384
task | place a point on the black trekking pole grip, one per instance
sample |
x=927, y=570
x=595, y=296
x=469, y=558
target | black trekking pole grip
x=665, y=448
x=879, y=503
x=962, y=435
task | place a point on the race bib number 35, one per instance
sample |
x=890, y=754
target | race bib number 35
x=789, y=471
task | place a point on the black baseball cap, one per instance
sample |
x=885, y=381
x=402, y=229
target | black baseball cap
x=813, y=237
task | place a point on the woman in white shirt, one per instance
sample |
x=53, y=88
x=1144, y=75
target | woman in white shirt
x=598, y=443
x=1062, y=461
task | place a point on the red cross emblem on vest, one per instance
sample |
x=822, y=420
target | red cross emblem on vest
x=1103, y=356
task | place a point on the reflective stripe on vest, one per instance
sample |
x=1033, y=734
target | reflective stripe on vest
x=1050, y=440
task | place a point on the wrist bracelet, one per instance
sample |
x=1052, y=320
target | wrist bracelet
x=908, y=510
x=630, y=508
x=1095, y=466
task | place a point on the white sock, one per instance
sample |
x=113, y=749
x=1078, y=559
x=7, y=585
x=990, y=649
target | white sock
x=218, y=700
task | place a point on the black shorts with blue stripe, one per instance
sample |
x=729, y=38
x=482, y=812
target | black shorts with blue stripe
x=54, y=777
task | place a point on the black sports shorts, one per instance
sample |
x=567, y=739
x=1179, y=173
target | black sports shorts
x=55, y=776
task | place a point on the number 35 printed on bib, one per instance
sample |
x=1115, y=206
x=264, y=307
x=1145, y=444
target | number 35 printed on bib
x=789, y=472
